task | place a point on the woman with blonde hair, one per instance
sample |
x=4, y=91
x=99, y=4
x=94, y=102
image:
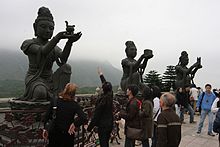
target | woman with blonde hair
x=62, y=135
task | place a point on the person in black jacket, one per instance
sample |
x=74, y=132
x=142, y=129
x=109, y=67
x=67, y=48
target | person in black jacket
x=62, y=135
x=181, y=102
x=103, y=115
x=216, y=125
x=184, y=101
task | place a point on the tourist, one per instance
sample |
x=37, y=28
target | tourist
x=216, y=125
x=216, y=104
x=131, y=114
x=156, y=111
x=181, y=102
x=205, y=101
x=41, y=82
x=183, y=99
x=147, y=115
x=62, y=135
x=169, y=125
x=103, y=114
x=194, y=94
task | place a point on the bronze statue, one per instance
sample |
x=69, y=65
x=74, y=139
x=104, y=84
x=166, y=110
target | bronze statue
x=185, y=75
x=42, y=51
x=134, y=69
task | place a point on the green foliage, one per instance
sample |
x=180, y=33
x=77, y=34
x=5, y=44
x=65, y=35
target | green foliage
x=153, y=78
x=11, y=88
x=91, y=90
x=169, y=77
x=15, y=88
x=86, y=90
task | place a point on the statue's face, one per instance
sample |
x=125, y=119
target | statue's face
x=132, y=52
x=185, y=61
x=44, y=29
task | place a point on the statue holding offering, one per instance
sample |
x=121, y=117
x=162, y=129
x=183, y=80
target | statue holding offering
x=185, y=75
x=40, y=81
x=134, y=69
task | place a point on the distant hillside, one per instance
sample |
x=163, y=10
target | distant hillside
x=14, y=65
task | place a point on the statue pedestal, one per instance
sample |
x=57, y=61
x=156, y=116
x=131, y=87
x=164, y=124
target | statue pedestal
x=121, y=98
x=27, y=105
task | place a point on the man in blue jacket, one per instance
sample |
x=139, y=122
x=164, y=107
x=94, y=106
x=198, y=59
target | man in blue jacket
x=206, y=100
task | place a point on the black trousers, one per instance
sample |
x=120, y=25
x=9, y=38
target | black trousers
x=60, y=139
x=104, y=136
x=154, y=138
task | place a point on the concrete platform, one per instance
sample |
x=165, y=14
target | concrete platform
x=189, y=136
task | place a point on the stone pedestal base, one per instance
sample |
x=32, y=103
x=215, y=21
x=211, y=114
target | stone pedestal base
x=27, y=105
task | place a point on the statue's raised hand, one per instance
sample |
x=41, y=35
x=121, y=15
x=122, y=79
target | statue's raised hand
x=148, y=54
x=66, y=35
x=199, y=62
x=62, y=35
x=75, y=37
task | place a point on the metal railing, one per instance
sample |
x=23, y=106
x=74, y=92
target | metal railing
x=24, y=128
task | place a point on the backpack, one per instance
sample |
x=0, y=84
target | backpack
x=139, y=103
x=200, y=104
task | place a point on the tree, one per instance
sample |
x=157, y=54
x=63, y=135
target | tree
x=169, y=77
x=153, y=78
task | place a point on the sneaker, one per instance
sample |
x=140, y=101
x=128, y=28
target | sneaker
x=198, y=132
x=211, y=134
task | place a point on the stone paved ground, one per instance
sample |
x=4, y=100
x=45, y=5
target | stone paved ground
x=189, y=136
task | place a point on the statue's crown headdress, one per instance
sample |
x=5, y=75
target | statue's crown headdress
x=44, y=14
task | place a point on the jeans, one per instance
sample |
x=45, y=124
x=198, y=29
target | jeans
x=129, y=142
x=191, y=113
x=202, y=118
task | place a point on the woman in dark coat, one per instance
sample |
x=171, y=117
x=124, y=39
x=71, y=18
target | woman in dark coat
x=62, y=135
x=103, y=115
x=181, y=97
x=147, y=115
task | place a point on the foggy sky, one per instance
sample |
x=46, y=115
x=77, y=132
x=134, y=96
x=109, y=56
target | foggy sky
x=165, y=26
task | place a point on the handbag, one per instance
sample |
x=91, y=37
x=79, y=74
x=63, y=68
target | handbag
x=50, y=125
x=134, y=133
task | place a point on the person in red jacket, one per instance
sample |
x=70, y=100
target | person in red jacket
x=131, y=114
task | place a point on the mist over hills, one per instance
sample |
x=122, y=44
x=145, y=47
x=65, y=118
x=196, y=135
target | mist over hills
x=14, y=65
